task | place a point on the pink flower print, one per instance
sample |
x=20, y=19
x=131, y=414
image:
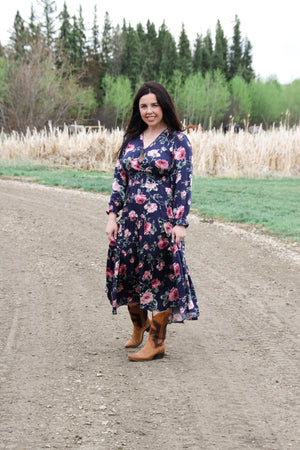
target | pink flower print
x=146, y=247
x=140, y=198
x=168, y=190
x=155, y=283
x=173, y=295
x=128, y=148
x=147, y=275
x=163, y=243
x=160, y=266
x=168, y=227
x=191, y=305
x=147, y=298
x=127, y=233
x=117, y=268
x=131, y=260
x=132, y=215
x=122, y=269
x=176, y=267
x=151, y=208
x=135, y=164
x=109, y=273
x=179, y=212
x=116, y=186
x=178, y=178
x=170, y=212
x=162, y=164
x=147, y=227
x=123, y=175
x=151, y=185
x=153, y=153
x=183, y=194
x=180, y=153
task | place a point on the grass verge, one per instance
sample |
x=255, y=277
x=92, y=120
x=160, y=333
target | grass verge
x=272, y=204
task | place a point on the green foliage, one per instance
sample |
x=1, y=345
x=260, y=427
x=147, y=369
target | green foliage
x=202, y=99
x=241, y=100
x=118, y=98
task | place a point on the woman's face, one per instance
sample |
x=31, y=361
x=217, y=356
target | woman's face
x=150, y=110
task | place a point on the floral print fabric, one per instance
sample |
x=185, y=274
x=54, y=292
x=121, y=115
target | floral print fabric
x=152, y=188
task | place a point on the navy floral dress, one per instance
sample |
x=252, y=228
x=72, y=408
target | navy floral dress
x=152, y=188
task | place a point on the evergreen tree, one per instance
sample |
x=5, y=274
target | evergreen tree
x=151, y=72
x=131, y=64
x=106, y=44
x=184, y=54
x=49, y=8
x=247, y=71
x=82, y=44
x=33, y=27
x=117, y=50
x=95, y=37
x=65, y=31
x=235, y=56
x=220, y=53
x=167, y=54
x=197, y=57
x=19, y=36
x=207, y=53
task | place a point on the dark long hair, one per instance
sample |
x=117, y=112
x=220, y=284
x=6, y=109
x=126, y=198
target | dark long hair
x=136, y=124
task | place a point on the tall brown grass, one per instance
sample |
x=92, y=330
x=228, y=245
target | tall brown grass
x=232, y=154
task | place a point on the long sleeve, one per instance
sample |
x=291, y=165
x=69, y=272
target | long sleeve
x=118, y=189
x=181, y=175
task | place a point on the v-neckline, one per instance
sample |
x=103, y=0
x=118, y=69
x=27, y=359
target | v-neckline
x=151, y=143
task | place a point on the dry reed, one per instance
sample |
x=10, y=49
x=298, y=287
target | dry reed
x=232, y=154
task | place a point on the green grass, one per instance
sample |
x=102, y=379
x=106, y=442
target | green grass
x=272, y=204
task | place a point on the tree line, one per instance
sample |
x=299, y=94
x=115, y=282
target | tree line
x=55, y=69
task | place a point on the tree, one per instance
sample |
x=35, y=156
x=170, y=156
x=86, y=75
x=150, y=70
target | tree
x=207, y=53
x=117, y=50
x=202, y=98
x=19, y=37
x=131, y=63
x=184, y=54
x=65, y=33
x=106, y=44
x=117, y=99
x=95, y=37
x=267, y=101
x=241, y=104
x=220, y=53
x=247, y=70
x=235, y=55
x=197, y=57
x=38, y=92
x=167, y=54
x=49, y=8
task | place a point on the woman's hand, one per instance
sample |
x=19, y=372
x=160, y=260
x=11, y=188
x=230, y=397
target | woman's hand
x=178, y=233
x=112, y=227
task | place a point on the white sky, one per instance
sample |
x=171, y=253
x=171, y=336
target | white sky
x=272, y=27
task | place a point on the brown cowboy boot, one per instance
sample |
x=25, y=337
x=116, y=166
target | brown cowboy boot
x=155, y=347
x=141, y=323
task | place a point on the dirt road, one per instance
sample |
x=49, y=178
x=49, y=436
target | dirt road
x=229, y=381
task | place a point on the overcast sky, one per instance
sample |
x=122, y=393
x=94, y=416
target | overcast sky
x=272, y=27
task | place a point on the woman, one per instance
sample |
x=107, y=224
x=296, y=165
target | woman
x=146, y=267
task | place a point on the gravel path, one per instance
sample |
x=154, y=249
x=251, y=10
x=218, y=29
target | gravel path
x=229, y=381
